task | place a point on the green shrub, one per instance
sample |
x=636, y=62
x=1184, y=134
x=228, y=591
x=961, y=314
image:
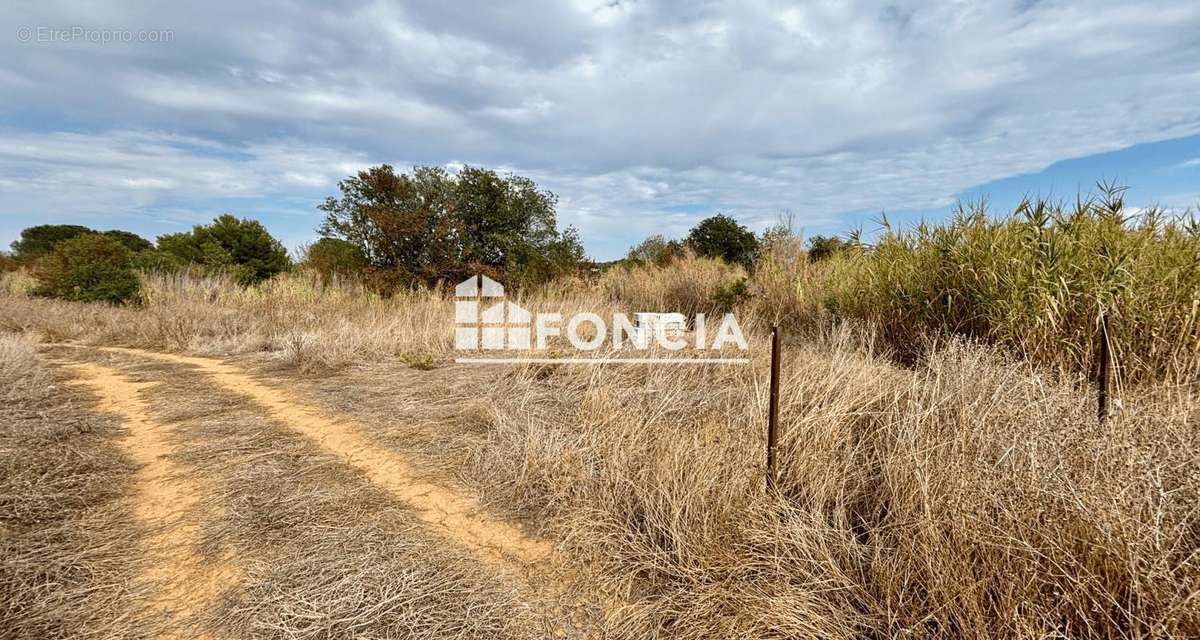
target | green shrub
x=655, y=250
x=87, y=268
x=156, y=261
x=329, y=256
x=722, y=237
x=241, y=247
x=823, y=247
x=729, y=295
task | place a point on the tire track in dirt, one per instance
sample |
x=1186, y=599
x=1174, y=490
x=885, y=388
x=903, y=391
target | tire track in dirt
x=166, y=492
x=446, y=511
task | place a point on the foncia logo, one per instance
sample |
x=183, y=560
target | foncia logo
x=485, y=322
x=480, y=321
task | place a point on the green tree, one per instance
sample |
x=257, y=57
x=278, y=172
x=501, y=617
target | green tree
x=502, y=216
x=330, y=256
x=655, y=250
x=43, y=238
x=824, y=247
x=87, y=268
x=242, y=247
x=431, y=225
x=400, y=222
x=129, y=240
x=722, y=237
x=532, y=264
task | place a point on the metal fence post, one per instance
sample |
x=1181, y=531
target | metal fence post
x=773, y=409
x=1105, y=364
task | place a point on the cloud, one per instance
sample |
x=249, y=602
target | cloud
x=116, y=168
x=156, y=183
x=638, y=114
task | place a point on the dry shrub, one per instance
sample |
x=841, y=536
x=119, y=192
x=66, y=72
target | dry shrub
x=16, y=283
x=969, y=497
x=66, y=558
x=688, y=285
x=788, y=290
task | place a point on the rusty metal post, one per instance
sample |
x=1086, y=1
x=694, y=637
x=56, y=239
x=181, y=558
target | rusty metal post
x=1105, y=365
x=773, y=409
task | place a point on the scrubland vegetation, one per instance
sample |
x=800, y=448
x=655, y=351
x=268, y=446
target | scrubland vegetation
x=1038, y=281
x=968, y=497
x=943, y=471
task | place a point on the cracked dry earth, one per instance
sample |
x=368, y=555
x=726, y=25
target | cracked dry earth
x=174, y=498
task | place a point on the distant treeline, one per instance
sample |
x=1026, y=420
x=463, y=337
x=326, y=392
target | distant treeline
x=79, y=263
x=387, y=230
x=1037, y=279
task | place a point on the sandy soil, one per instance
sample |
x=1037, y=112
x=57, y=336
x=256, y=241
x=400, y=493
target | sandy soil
x=166, y=495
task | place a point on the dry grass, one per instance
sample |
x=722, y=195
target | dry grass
x=968, y=495
x=688, y=285
x=67, y=554
x=310, y=324
x=966, y=498
x=324, y=554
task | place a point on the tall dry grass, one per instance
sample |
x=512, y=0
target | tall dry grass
x=1036, y=281
x=307, y=321
x=968, y=497
x=688, y=285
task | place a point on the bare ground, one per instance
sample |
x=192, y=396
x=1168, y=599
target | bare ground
x=165, y=495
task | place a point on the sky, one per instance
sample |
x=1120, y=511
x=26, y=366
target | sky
x=643, y=117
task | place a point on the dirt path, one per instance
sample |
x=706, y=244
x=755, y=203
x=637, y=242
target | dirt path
x=446, y=511
x=166, y=493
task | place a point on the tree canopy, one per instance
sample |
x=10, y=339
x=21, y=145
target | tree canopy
x=431, y=224
x=129, y=240
x=721, y=236
x=43, y=238
x=90, y=267
x=240, y=246
x=329, y=256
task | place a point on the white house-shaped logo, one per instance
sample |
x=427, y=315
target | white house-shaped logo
x=480, y=323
